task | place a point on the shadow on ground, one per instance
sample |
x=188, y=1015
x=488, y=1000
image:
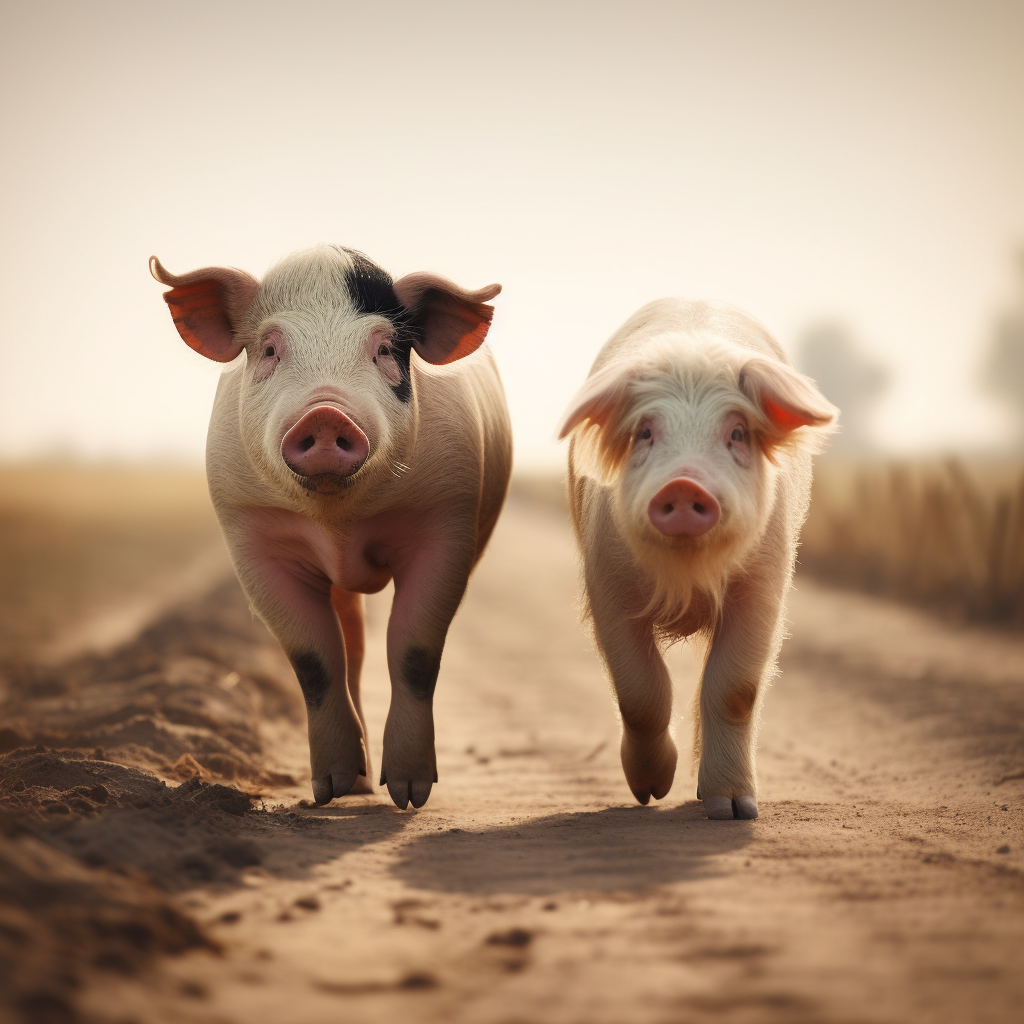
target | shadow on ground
x=619, y=848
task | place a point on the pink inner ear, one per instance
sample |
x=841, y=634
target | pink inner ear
x=454, y=321
x=786, y=419
x=199, y=316
x=452, y=327
x=469, y=324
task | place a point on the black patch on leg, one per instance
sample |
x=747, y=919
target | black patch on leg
x=314, y=679
x=372, y=292
x=419, y=672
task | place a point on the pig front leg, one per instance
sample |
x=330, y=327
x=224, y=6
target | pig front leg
x=643, y=690
x=296, y=605
x=740, y=660
x=427, y=593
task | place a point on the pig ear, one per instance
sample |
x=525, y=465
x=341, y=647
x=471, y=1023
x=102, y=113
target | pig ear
x=600, y=400
x=452, y=321
x=787, y=398
x=208, y=306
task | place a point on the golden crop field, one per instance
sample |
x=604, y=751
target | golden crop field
x=948, y=534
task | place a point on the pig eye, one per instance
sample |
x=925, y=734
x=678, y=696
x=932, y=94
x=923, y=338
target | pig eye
x=644, y=435
x=738, y=434
x=267, y=357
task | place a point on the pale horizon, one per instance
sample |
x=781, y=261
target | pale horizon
x=852, y=166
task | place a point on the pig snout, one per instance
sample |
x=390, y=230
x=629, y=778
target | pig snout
x=325, y=441
x=682, y=508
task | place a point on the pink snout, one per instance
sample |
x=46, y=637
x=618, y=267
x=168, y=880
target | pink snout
x=325, y=441
x=682, y=508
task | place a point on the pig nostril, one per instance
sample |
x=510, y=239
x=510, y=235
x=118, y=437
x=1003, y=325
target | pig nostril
x=666, y=509
x=306, y=443
x=344, y=443
x=698, y=508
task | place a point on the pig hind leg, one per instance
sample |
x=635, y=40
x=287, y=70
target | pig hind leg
x=352, y=617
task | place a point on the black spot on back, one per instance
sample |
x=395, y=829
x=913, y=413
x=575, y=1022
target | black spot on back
x=372, y=292
x=419, y=672
x=314, y=679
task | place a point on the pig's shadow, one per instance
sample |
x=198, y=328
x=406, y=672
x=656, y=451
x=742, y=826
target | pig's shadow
x=619, y=848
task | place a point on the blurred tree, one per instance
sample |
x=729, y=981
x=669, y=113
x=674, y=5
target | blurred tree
x=1003, y=369
x=847, y=377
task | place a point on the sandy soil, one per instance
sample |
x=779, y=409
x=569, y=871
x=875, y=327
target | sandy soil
x=158, y=861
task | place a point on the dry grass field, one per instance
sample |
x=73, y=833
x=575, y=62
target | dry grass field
x=75, y=540
x=945, y=534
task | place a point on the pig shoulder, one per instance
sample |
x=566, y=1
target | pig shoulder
x=611, y=574
x=230, y=475
x=464, y=435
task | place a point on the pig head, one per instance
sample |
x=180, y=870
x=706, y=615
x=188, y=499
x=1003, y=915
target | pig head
x=358, y=436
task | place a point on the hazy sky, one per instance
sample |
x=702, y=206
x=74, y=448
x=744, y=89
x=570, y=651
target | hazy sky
x=858, y=162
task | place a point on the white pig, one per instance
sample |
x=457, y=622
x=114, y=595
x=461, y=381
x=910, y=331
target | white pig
x=363, y=437
x=689, y=478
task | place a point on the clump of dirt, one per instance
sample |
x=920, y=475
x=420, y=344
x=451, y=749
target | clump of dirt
x=107, y=814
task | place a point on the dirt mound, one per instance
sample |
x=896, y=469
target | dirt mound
x=109, y=814
x=72, y=900
x=95, y=832
x=47, y=785
x=190, y=695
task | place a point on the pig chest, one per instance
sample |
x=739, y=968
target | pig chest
x=359, y=557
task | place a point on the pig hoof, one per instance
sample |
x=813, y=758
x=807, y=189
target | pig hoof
x=744, y=807
x=418, y=792
x=405, y=792
x=342, y=782
x=649, y=765
x=327, y=787
x=398, y=791
x=724, y=808
x=323, y=791
x=408, y=791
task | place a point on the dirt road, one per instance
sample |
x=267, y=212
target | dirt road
x=883, y=881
